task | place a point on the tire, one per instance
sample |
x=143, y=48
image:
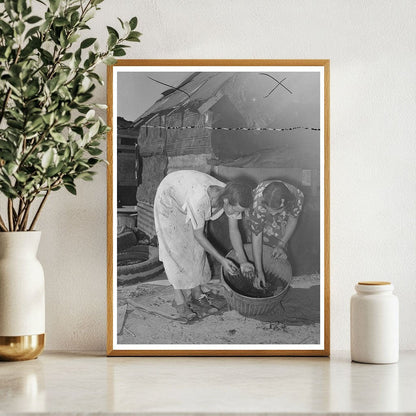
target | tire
x=146, y=267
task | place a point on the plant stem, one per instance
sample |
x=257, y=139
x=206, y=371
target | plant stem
x=10, y=213
x=3, y=108
x=26, y=216
x=18, y=215
x=9, y=91
x=62, y=51
x=39, y=209
x=2, y=224
x=14, y=216
x=21, y=212
x=35, y=145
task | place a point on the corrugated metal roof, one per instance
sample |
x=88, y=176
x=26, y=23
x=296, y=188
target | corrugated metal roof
x=284, y=99
x=200, y=88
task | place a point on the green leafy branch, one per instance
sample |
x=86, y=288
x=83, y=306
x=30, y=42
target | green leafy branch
x=50, y=134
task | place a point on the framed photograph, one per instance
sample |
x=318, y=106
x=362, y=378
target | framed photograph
x=218, y=208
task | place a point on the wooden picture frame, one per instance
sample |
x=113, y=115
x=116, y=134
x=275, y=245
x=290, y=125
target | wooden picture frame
x=256, y=119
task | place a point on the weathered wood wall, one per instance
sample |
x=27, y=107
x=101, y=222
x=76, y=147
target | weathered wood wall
x=188, y=141
x=153, y=170
x=164, y=150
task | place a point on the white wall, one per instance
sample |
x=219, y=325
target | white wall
x=371, y=45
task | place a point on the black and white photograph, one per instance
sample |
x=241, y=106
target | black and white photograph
x=219, y=209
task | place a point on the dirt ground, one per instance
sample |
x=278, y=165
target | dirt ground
x=146, y=316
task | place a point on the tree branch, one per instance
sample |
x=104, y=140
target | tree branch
x=39, y=209
x=20, y=212
x=10, y=213
x=35, y=145
x=18, y=215
x=62, y=51
x=9, y=91
x=26, y=216
x=2, y=225
x=3, y=108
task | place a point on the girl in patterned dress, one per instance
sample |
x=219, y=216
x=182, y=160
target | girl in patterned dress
x=272, y=220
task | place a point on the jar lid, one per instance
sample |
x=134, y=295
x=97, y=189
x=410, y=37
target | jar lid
x=374, y=283
x=372, y=287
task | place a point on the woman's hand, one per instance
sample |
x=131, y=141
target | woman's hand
x=279, y=253
x=259, y=281
x=247, y=269
x=229, y=266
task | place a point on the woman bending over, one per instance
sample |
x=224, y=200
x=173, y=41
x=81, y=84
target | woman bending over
x=185, y=200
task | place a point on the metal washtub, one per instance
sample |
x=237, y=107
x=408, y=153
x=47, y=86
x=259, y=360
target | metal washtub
x=241, y=295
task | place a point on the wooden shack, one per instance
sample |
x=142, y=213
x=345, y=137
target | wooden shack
x=126, y=166
x=233, y=125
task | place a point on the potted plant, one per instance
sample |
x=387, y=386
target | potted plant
x=50, y=136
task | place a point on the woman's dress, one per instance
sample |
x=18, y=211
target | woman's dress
x=272, y=226
x=182, y=205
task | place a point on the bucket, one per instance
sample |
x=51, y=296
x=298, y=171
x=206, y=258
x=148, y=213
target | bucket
x=244, y=298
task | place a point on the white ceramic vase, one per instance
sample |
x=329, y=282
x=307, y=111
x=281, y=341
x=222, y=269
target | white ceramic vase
x=22, y=296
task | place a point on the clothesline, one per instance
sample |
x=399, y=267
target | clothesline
x=230, y=128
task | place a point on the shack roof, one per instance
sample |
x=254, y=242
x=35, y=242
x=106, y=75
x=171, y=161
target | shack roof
x=197, y=88
x=284, y=99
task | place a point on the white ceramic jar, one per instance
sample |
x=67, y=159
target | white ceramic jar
x=374, y=323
